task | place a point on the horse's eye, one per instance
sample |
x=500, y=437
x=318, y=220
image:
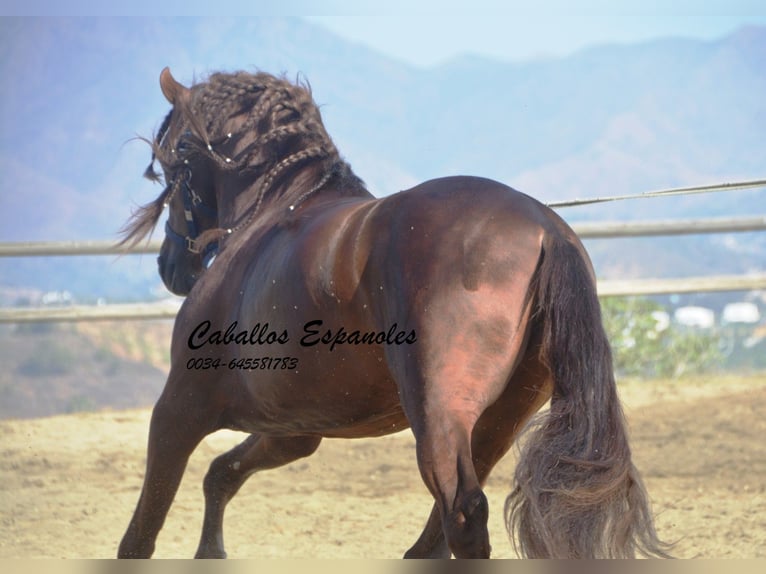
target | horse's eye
x=183, y=143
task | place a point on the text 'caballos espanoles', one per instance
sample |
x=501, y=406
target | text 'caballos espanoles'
x=313, y=333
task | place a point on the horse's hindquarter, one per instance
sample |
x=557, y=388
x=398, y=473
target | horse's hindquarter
x=464, y=251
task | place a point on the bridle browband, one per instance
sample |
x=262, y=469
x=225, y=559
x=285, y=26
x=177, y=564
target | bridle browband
x=191, y=202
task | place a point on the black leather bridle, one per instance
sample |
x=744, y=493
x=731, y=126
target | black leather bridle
x=192, y=203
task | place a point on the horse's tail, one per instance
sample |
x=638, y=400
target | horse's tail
x=577, y=493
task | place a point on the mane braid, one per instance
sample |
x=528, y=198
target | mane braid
x=315, y=152
x=283, y=115
x=149, y=173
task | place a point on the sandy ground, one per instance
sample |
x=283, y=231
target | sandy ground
x=68, y=484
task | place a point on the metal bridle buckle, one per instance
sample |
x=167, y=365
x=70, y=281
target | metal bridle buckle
x=191, y=245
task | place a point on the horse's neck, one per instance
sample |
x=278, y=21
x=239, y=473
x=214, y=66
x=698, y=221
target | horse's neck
x=240, y=206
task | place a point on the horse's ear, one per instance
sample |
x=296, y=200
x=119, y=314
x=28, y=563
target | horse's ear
x=171, y=89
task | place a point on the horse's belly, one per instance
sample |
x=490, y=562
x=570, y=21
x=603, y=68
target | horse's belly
x=339, y=393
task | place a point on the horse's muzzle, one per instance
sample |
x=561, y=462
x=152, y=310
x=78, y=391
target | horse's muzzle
x=178, y=283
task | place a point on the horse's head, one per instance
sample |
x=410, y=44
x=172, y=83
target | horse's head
x=190, y=177
x=228, y=146
x=192, y=213
x=190, y=195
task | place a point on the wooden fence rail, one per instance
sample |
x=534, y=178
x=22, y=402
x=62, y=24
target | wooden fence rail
x=58, y=248
x=584, y=230
x=73, y=313
x=669, y=227
x=711, y=283
x=168, y=309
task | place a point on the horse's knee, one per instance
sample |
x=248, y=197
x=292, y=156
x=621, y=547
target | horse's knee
x=227, y=472
x=222, y=475
x=466, y=526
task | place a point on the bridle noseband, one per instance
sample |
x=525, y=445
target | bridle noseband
x=191, y=202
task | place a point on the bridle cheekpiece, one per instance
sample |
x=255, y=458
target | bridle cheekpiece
x=192, y=203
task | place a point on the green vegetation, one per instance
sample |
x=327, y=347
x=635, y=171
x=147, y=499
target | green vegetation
x=644, y=346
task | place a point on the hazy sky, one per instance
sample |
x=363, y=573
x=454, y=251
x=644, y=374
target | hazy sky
x=435, y=30
x=425, y=32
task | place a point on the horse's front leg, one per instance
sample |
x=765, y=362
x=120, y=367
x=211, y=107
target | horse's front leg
x=174, y=433
x=229, y=472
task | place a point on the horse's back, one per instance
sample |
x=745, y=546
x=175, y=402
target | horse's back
x=469, y=190
x=468, y=202
x=461, y=228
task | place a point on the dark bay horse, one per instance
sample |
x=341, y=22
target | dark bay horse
x=457, y=308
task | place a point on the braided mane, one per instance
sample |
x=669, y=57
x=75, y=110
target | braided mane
x=273, y=124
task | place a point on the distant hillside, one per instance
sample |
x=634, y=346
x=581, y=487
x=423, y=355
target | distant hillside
x=55, y=369
x=607, y=120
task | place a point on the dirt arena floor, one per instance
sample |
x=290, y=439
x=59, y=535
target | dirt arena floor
x=68, y=484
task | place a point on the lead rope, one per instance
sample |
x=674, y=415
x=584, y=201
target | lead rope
x=663, y=192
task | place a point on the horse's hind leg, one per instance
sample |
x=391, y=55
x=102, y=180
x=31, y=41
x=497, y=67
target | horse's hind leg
x=229, y=472
x=444, y=459
x=492, y=437
x=442, y=423
x=173, y=435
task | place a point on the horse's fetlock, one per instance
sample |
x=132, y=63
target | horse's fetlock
x=475, y=506
x=466, y=526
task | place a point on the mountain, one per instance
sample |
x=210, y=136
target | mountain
x=607, y=120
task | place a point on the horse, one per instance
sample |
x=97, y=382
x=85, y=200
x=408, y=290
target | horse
x=313, y=309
